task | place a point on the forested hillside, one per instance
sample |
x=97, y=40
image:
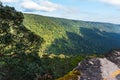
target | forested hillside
x=24, y=36
x=19, y=47
x=72, y=36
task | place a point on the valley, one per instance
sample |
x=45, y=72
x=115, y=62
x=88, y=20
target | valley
x=63, y=36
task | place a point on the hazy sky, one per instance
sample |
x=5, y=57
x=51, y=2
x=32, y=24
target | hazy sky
x=88, y=10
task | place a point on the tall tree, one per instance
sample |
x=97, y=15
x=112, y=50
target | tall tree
x=19, y=47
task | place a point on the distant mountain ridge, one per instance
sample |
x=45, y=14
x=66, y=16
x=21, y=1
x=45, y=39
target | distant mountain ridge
x=72, y=36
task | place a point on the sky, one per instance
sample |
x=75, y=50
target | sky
x=87, y=10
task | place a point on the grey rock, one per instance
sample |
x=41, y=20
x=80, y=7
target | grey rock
x=107, y=68
x=114, y=56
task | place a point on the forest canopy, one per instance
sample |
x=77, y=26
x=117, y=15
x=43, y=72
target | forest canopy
x=9, y=14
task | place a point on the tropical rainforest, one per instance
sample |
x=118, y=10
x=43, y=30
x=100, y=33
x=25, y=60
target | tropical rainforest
x=34, y=47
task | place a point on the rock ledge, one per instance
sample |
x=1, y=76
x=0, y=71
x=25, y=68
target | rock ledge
x=107, y=68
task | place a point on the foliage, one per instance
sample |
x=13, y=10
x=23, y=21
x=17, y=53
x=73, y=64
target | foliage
x=63, y=36
x=9, y=15
x=29, y=67
x=72, y=75
x=19, y=47
x=57, y=66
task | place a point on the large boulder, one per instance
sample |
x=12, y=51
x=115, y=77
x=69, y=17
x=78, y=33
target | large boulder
x=107, y=68
x=114, y=56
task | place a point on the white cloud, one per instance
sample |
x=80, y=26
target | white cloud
x=112, y=2
x=30, y=5
x=8, y=1
x=41, y=5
